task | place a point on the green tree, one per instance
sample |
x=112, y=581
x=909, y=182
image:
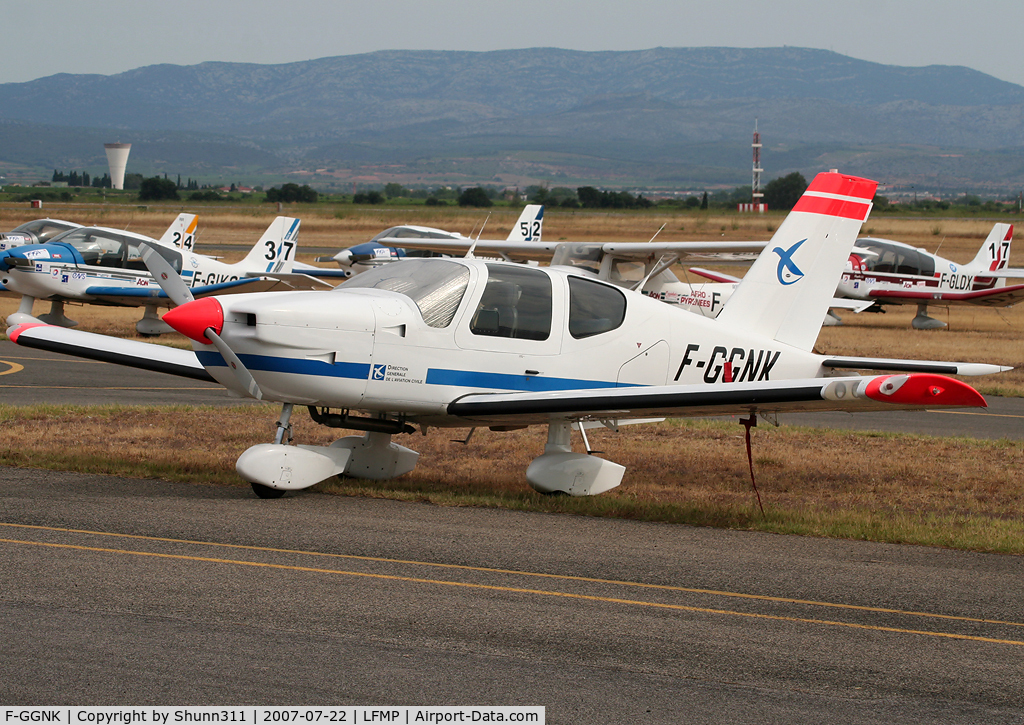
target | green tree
x=292, y=192
x=477, y=196
x=785, y=191
x=157, y=189
x=393, y=190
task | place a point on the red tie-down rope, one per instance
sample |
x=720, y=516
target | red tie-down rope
x=749, y=423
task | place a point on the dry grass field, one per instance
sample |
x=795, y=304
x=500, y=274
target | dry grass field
x=952, y=492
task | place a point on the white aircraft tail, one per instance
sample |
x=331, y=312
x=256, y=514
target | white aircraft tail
x=276, y=249
x=528, y=227
x=789, y=288
x=182, y=232
x=994, y=254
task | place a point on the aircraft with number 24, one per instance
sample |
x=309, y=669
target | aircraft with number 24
x=465, y=343
x=96, y=265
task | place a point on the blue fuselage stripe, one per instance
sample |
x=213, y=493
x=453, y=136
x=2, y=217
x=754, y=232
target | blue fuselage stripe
x=355, y=371
x=435, y=376
x=505, y=381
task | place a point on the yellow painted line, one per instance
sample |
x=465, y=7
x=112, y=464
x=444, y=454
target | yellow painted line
x=520, y=590
x=539, y=575
x=14, y=367
x=90, y=387
x=59, y=359
x=967, y=412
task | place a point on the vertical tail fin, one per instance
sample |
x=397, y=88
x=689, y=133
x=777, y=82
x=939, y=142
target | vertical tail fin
x=788, y=289
x=528, y=227
x=995, y=252
x=276, y=249
x=182, y=232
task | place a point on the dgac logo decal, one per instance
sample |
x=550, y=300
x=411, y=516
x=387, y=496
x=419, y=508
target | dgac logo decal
x=787, y=267
x=378, y=371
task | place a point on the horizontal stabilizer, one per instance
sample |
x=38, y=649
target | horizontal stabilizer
x=912, y=366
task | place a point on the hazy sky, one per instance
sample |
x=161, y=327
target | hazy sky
x=111, y=36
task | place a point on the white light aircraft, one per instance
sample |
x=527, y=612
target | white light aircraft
x=464, y=343
x=885, y=272
x=103, y=266
x=390, y=245
x=36, y=231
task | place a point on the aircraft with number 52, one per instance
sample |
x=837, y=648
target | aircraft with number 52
x=465, y=343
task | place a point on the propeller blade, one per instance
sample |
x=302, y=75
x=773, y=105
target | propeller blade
x=202, y=320
x=170, y=281
x=237, y=367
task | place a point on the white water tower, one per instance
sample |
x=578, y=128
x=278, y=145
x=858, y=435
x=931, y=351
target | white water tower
x=117, y=157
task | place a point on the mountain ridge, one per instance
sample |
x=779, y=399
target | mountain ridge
x=655, y=106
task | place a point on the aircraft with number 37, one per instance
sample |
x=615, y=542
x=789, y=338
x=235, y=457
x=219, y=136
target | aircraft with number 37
x=466, y=343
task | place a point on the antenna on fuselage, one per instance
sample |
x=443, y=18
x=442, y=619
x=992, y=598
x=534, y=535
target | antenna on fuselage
x=469, y=254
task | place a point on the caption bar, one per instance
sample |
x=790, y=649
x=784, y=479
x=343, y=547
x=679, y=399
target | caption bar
x=404, y=714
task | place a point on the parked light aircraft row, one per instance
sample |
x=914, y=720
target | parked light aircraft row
x=98, y=265
x=883, y=272
x=464, y=342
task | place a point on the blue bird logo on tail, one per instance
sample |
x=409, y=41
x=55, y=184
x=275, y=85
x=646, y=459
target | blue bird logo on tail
x=787, y=267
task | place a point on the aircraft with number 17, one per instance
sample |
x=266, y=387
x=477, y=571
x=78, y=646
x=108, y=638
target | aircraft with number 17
x=466, y=343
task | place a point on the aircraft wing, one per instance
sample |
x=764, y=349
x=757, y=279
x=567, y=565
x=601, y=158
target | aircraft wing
x=133, y=296
x=995, y=297
x=459, y=247
x=545, y=250
x=856, y=393
x=737, y=251
x=714, y=276
x=92, y=346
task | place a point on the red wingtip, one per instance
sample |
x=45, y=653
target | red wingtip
x=924, y=389
x=14, y=332
x=193, y=319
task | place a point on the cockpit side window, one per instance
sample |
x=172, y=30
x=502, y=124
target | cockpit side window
x=516, y=303
x=435, y=286
x=594, y=308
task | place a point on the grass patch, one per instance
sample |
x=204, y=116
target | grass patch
x=953, y=492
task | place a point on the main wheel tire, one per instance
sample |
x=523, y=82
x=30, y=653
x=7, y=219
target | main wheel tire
x=266, y=491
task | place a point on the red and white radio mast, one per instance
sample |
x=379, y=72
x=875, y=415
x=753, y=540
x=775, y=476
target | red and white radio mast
x=755, y=184
x=756, y=197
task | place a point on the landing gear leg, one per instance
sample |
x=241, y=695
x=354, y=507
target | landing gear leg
x=24, y=313
x=56, y=315
x=283, y=435
x=151, y=325
x=924, y=322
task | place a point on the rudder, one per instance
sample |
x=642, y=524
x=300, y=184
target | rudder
x=789, y=288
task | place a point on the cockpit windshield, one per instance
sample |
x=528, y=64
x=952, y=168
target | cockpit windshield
x=436, y=286
x=44, y=229
x=414, y=232
x=106, y=248
x=891, y=258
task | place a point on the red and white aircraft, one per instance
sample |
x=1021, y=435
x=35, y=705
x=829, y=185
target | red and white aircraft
x=891, y=273
x=464, y=343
